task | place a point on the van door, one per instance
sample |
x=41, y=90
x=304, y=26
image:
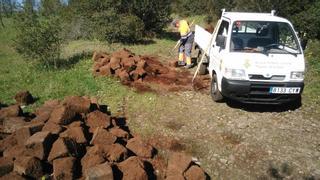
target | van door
x=218, y=49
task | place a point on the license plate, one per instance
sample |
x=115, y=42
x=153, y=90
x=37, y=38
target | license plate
x=284, y=90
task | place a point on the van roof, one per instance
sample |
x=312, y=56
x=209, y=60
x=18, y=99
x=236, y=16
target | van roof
x=244, y=16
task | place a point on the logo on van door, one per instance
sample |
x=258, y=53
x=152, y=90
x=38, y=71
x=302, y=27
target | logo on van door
x=247, y=63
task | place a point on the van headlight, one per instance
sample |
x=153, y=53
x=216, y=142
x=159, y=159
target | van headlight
x=297, y=75
x=235, y=74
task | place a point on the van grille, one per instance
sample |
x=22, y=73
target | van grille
x=272, y=78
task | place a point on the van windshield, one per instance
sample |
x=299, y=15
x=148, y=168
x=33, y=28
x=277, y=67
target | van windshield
x=263, y=36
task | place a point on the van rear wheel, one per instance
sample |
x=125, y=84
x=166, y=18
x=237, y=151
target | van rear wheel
x=215, y=93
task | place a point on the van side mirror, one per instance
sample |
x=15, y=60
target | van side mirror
x=221, y=41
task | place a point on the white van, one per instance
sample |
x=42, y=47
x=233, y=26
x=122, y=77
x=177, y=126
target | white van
x=252, y=58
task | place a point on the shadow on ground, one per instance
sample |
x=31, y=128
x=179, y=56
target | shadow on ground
x=265, y=107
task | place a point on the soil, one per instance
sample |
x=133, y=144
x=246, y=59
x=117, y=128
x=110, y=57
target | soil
x=147, y=73
x=230, y=140
x=233, y=140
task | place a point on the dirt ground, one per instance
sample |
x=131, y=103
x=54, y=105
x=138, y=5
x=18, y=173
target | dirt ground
x=233, y=140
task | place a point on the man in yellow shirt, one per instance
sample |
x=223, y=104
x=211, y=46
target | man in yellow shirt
x=186, y=42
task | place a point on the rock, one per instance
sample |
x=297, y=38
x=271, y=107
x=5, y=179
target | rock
x=15, y=152
x=8, y=142
x=28, y=166
x=62, y=115
x=77, y=104
x=59, y=149
x=41, y=118
x=100, y=149
x=140, y=148
x=26, y=131
x=100, y=172
x=105, y=70
x=12, y=124
x=128, y=63
x=97, y=119
x=75, y=124
x=124, y=76
x=52, y=128
x=138, y=73
x=115, y=63
x=34, y=127
x=98, y=55
x=94, y=156
x=6, y=166
x=24, y=98
x=22, y=135
x=13, y=176
x=47, y=107
x=141, y=64
x=133, y=169
x=175, y=177
x=102, y=136
x=116, y=153
x=105, y=60
x=119, y=133
x=76, y=134
x=40, y=143
x=123, y=53
x=11, y=111
x=63, y=168
x=178, y=163
x=195, y=173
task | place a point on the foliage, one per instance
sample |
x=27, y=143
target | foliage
x=38, y=37
x=303, y=13
x=112, y=27
x=119, y=20
x=154, y=13
x=312, y=80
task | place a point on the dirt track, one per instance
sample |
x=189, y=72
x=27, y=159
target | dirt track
x=236, y=141
x=232, y=140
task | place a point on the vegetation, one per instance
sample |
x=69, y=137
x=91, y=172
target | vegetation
x=47, y=33
x=74, y=79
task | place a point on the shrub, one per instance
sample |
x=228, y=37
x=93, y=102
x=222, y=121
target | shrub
x=155, y=14
x=112, y=27
x=39, y=38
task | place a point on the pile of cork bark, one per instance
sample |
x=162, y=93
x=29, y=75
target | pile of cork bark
x=78, y=138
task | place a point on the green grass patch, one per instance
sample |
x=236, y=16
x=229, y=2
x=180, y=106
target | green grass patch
x=312, y=80
x=18, y=74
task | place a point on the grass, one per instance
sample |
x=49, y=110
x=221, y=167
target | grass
x=312, y=88
x=18, y=74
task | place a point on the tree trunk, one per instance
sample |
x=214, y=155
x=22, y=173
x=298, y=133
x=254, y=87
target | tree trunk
x=1, y=21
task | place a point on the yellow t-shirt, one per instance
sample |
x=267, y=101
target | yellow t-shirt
x=184, y=28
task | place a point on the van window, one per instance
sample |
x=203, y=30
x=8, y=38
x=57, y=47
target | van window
x=223, y=29
x=263, y=36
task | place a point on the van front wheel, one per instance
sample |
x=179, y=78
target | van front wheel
x=215, y=93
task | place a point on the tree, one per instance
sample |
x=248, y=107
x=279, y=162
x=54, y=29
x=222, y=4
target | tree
x=1, y=12
x=118, y=20
x=155, y=14
x=38, y=36
x=304, y=14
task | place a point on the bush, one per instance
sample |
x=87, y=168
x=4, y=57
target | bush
x=118, y=21
x=39, y=38
x=112, y=27
x=155, y=14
